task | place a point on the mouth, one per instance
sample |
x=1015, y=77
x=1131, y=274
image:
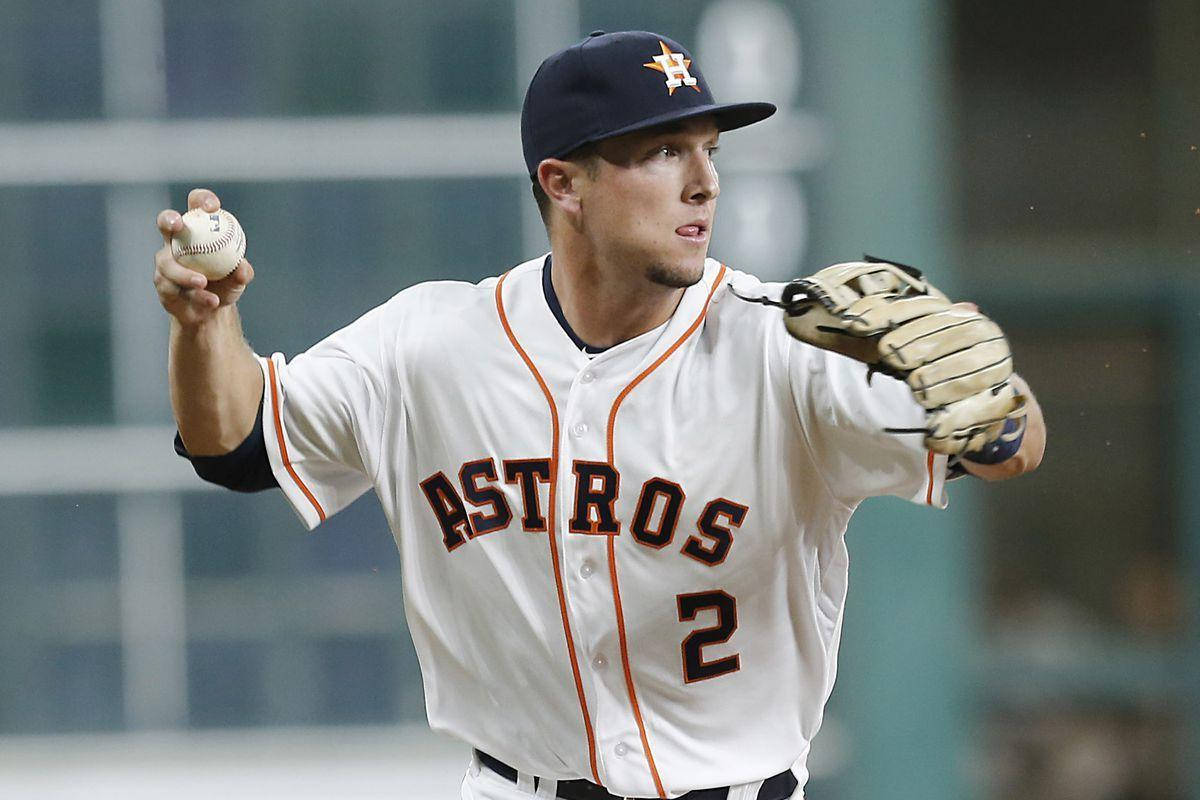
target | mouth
x=696, y=232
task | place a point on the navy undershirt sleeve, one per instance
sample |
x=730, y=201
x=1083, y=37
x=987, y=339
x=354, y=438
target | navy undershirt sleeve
x=246, y=469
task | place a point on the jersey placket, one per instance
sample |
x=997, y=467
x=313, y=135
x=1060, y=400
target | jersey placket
x=584, y=400
x=622, y=738
x=585, y=567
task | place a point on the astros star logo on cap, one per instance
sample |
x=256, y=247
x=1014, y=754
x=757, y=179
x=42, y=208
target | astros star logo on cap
x=675, y=67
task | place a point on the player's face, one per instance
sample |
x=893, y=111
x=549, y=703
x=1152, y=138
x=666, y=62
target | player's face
x=649, y=204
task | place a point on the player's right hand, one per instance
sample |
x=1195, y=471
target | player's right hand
x=184, y=293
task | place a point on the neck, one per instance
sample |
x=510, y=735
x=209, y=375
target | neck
x=606, y=304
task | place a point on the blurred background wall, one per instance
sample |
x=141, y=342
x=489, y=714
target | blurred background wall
x=1038, y=640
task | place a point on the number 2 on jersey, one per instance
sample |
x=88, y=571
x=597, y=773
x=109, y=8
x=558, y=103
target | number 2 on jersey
x=695, y=668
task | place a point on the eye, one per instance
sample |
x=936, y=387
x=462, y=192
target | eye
x=712, y=151
x=664, y=150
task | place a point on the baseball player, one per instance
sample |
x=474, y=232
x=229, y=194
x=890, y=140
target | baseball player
x=618, y=474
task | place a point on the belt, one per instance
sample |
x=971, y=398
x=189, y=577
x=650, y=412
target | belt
x=777, y=787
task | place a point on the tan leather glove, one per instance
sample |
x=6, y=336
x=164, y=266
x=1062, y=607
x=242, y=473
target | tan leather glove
x=955, y=360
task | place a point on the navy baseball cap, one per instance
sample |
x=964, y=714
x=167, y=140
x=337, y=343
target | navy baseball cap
x=615, y=83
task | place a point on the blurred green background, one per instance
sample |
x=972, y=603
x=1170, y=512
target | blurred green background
x=1038, y=640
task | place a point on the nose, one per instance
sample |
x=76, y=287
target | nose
x=703, y=183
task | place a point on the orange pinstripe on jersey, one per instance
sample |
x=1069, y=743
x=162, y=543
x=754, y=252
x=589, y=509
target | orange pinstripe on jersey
x=283, y=451
x=551, y=518
x=612, y=561
x=929, y=491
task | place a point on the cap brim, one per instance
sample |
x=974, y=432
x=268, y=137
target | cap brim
x=728, y=116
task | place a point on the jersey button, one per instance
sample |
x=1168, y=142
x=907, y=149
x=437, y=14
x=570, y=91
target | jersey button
x=599, y=662
x=621, y=749
x=586, y=570
x=579, y=429
x=587, y=377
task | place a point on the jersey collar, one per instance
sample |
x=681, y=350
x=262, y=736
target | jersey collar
x=556, y=309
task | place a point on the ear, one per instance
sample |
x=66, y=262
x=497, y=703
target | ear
x=560, y=181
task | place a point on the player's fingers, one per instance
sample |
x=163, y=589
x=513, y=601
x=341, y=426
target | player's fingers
x=172, y=270
x=243, y=273
x=169, y=223
x=197, y=299
x=235, y=281
x=967, y=305
x=165, y=288
x=201, y=299
x=203, y=198
x=189, y=306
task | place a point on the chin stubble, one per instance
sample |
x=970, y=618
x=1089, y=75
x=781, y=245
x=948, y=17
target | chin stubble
x=673, y=277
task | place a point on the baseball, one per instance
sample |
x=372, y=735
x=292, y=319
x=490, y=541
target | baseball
x=210, y=243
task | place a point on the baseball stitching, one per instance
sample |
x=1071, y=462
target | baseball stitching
x=235, y=231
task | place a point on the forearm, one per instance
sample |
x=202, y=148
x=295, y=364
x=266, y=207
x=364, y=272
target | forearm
x=215, y=383
x=1033, y=444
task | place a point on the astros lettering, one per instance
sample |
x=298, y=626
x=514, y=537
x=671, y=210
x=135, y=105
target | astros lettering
x=597, y=486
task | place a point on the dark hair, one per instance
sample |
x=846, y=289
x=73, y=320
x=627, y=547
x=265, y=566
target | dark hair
x=585, y=154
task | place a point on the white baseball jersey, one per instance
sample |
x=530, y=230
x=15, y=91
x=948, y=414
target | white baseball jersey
x=628, y=567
